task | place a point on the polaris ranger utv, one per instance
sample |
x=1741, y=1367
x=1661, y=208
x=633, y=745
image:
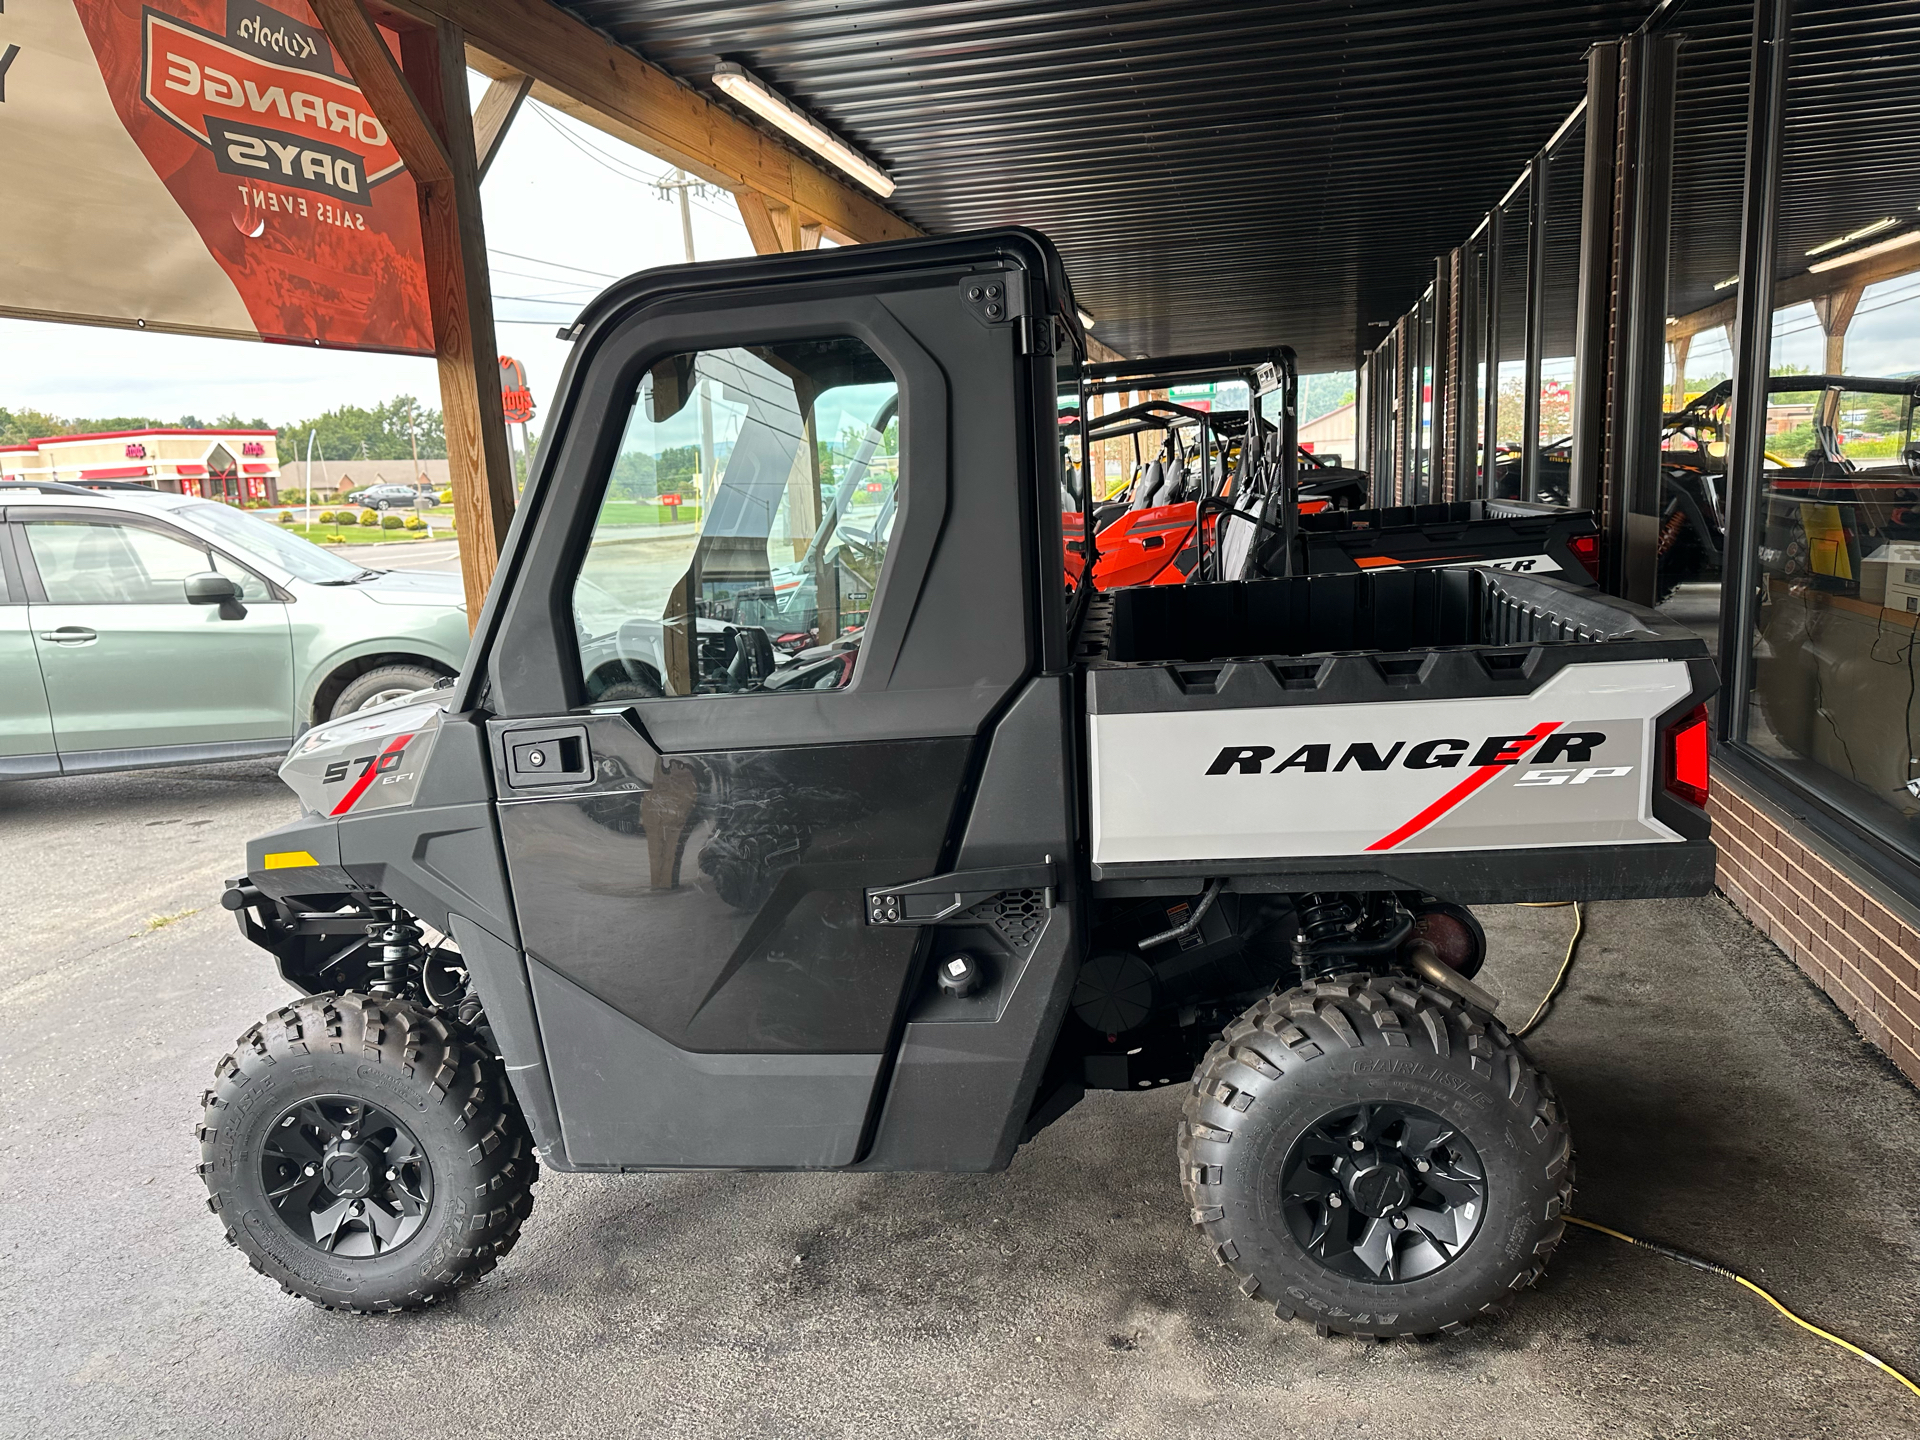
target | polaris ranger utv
x=897, y=898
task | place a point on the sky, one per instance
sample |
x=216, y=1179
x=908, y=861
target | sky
x=568, y=209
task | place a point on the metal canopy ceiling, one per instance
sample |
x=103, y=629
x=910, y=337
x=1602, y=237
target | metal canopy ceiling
x=1221, y=173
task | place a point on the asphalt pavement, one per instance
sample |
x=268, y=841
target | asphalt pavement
x=1718, y=1102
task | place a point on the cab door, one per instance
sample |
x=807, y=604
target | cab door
x=694, y=802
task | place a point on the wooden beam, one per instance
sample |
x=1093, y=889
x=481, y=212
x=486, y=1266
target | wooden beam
x=1835, y=310
x=422, y=101
x=757, y=216
x=494, y=114
x=774, y=228
x=581, y=72
x=371, y=63
x=1800, y=288
x=1100, y=353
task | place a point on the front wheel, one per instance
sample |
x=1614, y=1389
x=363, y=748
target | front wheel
x=365, y=1153
x=377, y=687
x=1373, y=1156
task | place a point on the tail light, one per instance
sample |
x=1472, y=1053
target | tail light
x=1687, y=757
x=1586, y=549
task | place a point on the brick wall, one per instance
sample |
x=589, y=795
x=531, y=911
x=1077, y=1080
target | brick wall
x=1854, y=947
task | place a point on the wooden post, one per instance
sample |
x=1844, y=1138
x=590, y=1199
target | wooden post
x=770, y=224
x=1680, y=346
x=493, y=115
x=422, y=101
x=1835, y=311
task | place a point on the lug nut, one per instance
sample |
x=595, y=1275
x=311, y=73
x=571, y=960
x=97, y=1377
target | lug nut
x=1399, y=1222
x=390, y=1174
x=1333, y=1202
x=310, y=1169
x=346, y=1134
x=1359, y=1144
x=1422, y=1166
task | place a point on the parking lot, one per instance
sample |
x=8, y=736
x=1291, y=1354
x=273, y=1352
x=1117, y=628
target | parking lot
x=1718, y=1102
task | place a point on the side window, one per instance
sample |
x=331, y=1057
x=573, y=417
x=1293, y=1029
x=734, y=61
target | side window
x=745, y=522
x=85, y=562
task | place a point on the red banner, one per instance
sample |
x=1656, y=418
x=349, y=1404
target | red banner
x=268, y=152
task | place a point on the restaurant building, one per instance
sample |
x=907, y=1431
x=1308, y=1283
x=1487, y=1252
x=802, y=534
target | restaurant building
x=232, y=465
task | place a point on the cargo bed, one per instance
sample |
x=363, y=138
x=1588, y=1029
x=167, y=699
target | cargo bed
x=1515, y=535
x=1464, y=732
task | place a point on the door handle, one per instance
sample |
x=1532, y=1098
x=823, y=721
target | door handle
x=71, y=635
x=931, y=901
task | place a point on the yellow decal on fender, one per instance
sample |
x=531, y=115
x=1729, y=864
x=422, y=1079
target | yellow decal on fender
x=289, y=860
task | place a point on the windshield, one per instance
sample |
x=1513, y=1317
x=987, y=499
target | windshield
x=255, y=537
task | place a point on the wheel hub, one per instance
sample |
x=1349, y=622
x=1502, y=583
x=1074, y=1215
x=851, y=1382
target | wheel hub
x=348, y=1171
x=1382, y=1192
x=1381, y=1187
x=346, y=1176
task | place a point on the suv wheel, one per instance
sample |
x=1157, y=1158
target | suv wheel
x=377, y=687
x=365, y=1153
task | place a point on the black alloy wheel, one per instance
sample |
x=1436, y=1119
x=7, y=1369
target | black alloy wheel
x=346, y=1176
x=1384, y=1192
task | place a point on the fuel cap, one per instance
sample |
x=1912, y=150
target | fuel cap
x=959, y=975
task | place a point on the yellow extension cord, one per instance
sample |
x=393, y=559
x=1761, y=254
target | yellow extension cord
x=1566, y=964
x=1697, y=1263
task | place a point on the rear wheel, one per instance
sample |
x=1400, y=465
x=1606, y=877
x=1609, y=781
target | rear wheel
x=365, y=1154
x=1373, y=1156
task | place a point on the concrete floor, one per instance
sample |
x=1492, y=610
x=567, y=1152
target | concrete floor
x=1719, y=1102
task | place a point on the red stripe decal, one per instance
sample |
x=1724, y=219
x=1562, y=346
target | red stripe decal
x=360, y=786
x=1459, y=792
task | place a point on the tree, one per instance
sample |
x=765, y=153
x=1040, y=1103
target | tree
x=385, y=432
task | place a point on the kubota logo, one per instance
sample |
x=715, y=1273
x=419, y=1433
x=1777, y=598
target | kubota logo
x=265, y=120
x=1442, y=754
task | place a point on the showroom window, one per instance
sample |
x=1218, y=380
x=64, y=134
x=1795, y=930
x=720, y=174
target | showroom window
x=745, y=523
x=1825, y=690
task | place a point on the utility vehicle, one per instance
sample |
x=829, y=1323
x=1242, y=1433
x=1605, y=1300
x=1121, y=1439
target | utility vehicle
x=897, y=901
x=1202, y=501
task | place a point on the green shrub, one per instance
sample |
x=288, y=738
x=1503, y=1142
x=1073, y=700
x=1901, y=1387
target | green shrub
x=392, y=522
x=325, y=517
x=369, y=519
x=286, y=517
x=414, y=522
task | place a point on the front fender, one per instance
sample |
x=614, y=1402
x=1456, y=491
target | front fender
x=323, y=654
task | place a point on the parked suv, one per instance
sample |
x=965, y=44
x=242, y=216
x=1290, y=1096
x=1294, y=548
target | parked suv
x=143, y=630
x=385, y=497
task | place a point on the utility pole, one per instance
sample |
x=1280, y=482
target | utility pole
x=680, y=184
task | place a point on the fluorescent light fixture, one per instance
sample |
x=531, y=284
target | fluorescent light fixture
x=1894, y=243
x=1862, y=233
x=1728, y=283
x=754, y=93
x=1087, y=322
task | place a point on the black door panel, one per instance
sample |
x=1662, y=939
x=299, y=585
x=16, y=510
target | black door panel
x=718, y=899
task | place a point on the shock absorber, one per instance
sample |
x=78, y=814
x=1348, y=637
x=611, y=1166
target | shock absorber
x=1346, y=932
x=1324, y=920
x=399, y=941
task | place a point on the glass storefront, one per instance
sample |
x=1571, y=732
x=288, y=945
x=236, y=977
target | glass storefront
x=1828, y=678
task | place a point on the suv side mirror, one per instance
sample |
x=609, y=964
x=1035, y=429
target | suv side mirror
x=213, y=588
